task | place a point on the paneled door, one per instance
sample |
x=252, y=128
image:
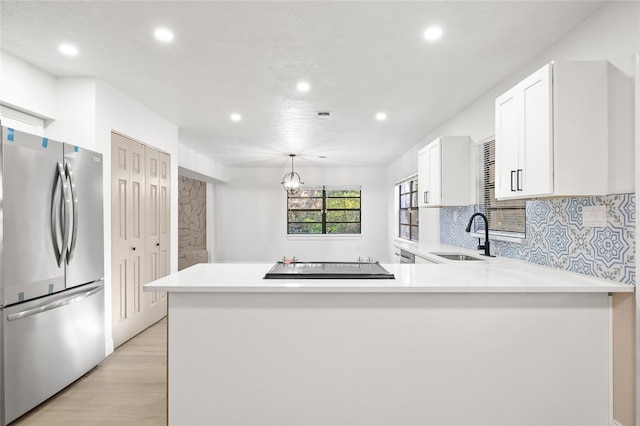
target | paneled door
x=158, y=209
x=140, y=212
x=127, y=237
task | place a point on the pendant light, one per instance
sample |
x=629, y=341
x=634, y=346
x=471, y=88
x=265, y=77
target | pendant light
x=291, y=181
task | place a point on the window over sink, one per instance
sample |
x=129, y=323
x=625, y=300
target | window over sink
x=505, y=217
x=408, y=216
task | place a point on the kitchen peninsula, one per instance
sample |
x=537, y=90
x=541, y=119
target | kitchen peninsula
x=491, y=342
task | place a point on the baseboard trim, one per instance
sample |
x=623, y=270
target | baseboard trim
x=615, y=423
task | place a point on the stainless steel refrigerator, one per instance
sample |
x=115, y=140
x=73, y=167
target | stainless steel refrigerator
x=51, y=268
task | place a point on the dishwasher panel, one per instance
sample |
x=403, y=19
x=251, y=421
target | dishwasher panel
x=407, y=257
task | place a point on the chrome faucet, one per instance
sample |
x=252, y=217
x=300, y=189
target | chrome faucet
x=485, y=246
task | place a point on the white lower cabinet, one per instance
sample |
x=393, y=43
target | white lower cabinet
x=423, y=260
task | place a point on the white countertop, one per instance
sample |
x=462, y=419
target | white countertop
x=493, y=275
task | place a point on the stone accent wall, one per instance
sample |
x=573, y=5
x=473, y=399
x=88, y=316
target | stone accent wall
x=192, y=222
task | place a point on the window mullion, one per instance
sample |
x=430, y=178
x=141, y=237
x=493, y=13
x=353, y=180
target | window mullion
x=324, y=210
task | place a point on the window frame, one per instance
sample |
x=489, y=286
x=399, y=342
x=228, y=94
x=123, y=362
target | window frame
x=498, y=205
x=325, y=210
x=410, y=210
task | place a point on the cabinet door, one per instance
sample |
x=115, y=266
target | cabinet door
x=434, y=197
x=429, y=175
x=423, y=177
x=535, y=172
x=507, y=141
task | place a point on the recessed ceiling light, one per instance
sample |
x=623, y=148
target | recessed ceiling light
x=433, y=33
x=68, y=49
x=381, y=116
x=164, y=35
x=303, y=86
x=236, y=117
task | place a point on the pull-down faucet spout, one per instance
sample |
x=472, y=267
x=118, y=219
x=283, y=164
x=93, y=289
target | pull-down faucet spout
x=485, y=246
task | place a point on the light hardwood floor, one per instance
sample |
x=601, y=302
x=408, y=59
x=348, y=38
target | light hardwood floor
x=127, y=388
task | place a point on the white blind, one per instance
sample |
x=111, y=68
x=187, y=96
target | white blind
x=506, y=215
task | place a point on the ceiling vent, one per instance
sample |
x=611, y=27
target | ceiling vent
x=323, y=115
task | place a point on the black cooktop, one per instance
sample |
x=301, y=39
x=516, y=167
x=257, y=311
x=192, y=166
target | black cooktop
x=328, y=270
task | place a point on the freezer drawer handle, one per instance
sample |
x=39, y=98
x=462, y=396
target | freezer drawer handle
x=74, y=199
x=53, y=305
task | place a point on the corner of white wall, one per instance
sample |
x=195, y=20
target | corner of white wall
x=26, y=87
x=637, y=179
x=75, y=112
x=195, y=165
x=621, y=132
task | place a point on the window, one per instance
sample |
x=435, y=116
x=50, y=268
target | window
x=322, y=210
x=408, y=211
x=505, y=217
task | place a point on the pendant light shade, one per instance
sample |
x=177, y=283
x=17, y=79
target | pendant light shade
x=291, y=181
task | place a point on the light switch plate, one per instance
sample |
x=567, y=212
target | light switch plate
x=594, y=216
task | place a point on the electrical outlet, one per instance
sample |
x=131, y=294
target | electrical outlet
x=594, y=216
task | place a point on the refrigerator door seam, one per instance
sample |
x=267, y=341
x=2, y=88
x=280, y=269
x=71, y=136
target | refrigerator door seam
x=58, y=181
x=74, y=198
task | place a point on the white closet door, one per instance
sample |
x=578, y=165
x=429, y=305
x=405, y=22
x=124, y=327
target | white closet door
x=128, y=233
x=158, y=208
x=140, y=211
x=165, y=214
x=127, y=229
x=153, y=199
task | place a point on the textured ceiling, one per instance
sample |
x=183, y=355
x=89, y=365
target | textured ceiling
x=246, y=57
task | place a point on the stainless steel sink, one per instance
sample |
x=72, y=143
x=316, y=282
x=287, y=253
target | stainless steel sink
x=457, y=256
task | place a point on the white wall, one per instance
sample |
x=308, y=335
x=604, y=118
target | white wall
x=251, y=222
x=637, y=295
x=196, y=166
x=612, y=33
x=75, y=113
x=26, y=87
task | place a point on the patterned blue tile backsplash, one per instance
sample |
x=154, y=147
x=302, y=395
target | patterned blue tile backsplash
x=556, y=238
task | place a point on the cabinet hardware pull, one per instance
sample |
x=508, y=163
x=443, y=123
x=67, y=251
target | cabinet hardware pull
x=133, y=248
x=512, y=172
x=518, y=179
x=426, y=197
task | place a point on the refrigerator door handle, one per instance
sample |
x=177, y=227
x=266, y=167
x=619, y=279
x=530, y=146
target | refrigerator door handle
x=74, y=198
x=76, y=297
x=57, y=183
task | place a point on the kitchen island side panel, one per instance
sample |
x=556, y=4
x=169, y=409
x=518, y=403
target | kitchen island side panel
x=384, y=358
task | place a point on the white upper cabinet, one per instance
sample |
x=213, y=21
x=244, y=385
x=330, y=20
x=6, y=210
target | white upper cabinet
x=551, y=133
x=444, y=172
